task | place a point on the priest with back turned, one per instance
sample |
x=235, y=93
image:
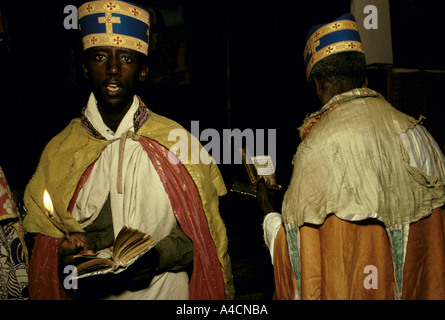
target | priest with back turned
x=363, y=216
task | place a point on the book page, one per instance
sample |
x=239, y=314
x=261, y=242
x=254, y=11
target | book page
x=130, y=244
x=265, y=168
x=93, y=264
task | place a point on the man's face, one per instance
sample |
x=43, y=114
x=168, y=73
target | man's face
x=114, y=73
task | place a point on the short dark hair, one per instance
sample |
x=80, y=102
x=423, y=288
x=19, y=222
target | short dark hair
x=347, y=70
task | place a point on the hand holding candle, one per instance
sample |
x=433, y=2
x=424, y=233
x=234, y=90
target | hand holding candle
x=49, y=210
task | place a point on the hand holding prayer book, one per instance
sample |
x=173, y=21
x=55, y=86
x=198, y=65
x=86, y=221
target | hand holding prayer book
x=129, y=245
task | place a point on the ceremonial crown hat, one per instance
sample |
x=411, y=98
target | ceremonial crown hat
x=114, y=23
x=324, y=40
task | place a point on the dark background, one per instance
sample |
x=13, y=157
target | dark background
x=244, y=69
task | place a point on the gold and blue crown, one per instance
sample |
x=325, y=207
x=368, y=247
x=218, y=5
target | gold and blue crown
x=325, y=40
x=114, y=23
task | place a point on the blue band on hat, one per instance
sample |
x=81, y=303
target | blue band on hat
x=89, y=24
x=131, y=27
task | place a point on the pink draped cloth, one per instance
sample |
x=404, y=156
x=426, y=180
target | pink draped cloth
x=44, y=281
x=207, y=280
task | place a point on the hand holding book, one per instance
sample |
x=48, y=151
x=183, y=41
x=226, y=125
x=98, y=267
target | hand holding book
x=79, y=243
x=129, y=264
x=129, y=245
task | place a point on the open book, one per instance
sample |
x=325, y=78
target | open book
x=129, y=245
x=257, y=167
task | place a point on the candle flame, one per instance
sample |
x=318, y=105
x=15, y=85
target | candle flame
x=47, y=203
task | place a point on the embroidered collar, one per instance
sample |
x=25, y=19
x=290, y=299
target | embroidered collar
x=140, y=117
x=312, y=119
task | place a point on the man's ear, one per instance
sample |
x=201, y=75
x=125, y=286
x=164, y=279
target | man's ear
x=319, y=87
x=143, y=73
x=86, y=73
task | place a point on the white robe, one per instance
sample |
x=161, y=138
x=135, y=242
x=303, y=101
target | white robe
x=143, y=205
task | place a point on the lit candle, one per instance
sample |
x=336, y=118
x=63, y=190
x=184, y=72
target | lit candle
x=49, y=210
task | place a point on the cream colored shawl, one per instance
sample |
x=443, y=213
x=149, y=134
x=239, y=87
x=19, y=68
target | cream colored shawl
x=353, y=164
